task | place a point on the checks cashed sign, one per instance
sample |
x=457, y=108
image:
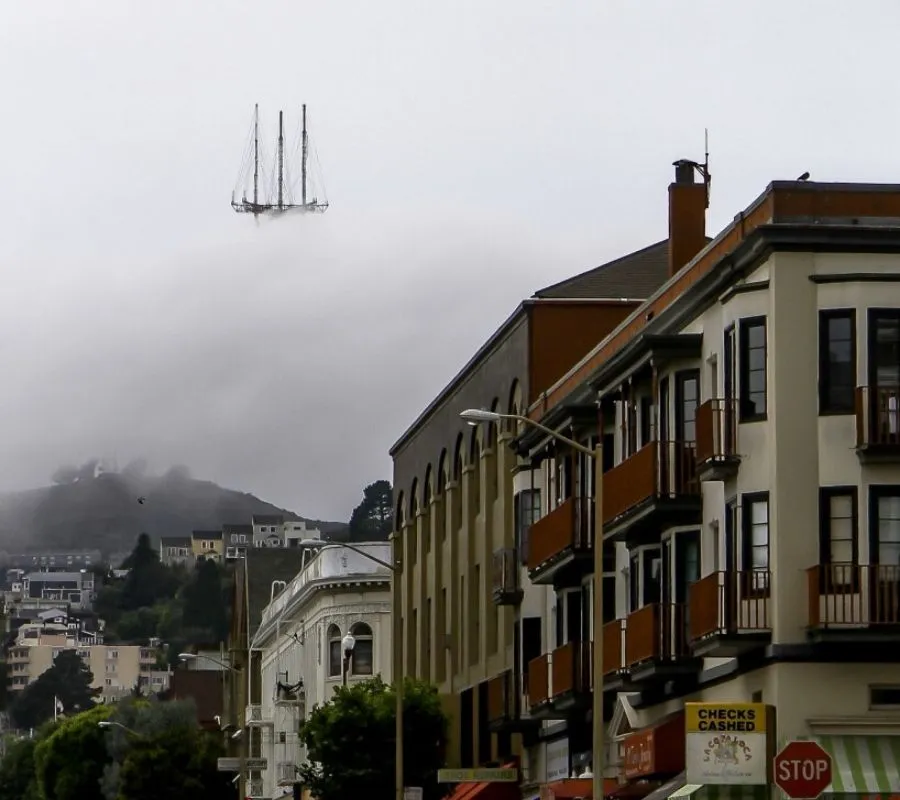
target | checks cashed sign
x=727, y=743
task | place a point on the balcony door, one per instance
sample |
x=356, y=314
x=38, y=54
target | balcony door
x=884, y=555
x=884, y=376
x=687, y=572
x=687, y=398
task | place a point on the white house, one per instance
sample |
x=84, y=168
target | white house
x=300, y=640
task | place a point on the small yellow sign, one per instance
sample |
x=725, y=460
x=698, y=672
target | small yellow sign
x=732, y=717
x=487, y=775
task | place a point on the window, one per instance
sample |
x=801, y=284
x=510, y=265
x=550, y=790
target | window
x=886, y=696
x=363, y=649
x=838, y=547
x=837, y=361
x=753, y=369
x=527, y=511
x=646, y=420
x=755, y=517
x=884, y=530
x=335, y=657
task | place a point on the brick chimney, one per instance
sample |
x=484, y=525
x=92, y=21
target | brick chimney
x=687, y=216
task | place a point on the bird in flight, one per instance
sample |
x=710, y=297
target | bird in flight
x=141, y=500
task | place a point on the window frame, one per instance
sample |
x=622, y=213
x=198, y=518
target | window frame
x=362, y=633
x=331, y=638
x=752, y=587
x=746, y=414
x=826, y=494
x=826, y=316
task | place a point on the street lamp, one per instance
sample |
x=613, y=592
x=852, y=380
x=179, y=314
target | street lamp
x=396, y=570
x=107, y=724
x=476, y=415
x=347, y=645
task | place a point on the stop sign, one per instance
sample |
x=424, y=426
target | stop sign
x=802, y=770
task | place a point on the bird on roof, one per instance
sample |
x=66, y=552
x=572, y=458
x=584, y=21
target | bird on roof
x=804, y=177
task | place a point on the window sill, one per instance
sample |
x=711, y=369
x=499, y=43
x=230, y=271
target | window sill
x=742, y=420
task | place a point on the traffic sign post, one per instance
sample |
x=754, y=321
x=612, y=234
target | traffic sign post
x=802, y=770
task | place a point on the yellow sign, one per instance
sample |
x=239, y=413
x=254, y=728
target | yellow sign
x=488, y=775
x=733, y=717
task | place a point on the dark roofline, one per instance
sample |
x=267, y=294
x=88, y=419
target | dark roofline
x=626, y=257
x=206, y=534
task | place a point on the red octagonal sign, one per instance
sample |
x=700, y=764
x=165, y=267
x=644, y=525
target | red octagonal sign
x=802, y=770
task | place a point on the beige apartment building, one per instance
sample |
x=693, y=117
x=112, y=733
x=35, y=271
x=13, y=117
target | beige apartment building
x=117, y=669
x=750, y=416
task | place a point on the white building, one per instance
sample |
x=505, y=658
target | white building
x=296, y=531
x=338, y=592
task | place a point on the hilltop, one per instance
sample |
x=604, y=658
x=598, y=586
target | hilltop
x=102, y=511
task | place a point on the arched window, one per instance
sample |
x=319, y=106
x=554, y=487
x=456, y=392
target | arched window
x=363, y=651
x=335, y=656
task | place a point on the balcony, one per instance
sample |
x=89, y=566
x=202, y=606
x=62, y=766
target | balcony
x=717, y=456
x=729, y=613
x=286, y=773
x=878, y=424
x=504, y=706
x=507, y=590
x=656, y=485
x=615, y=671
x=571, y=675
x=559, y=543
x=656, y=644
x=539, y=682
x=253, y=716
x=854, y=603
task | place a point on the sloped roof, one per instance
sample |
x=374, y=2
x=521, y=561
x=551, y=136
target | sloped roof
x=635, y=276
x=209, y=535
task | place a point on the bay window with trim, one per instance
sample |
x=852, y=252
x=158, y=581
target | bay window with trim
x=363, y=649
x=755, y=530
x=335, y=656
x=838, y=539
x=752, y=342
x=526, y=511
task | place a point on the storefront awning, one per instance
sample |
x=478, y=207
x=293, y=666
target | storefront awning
x=863, y=764
x=573, y=788
x=487, y=791
x=708, y=792
x=667, y=789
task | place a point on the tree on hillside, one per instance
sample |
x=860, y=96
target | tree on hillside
x=350, y=742
x=69, y=763
x=17, y=781
x=373, y=519
x=203, y=606
x=148, y=579
x=68, y=681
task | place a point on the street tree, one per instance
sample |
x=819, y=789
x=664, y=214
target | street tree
x=68, y=681
x=17, y=781
x=373, y=519
x=69, y=763
x=351, y=742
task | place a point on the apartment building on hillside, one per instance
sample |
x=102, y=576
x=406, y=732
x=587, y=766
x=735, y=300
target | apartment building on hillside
x=207, y=545
x=471, y=619
x=750, y=508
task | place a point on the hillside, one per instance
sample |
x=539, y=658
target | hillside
x=104, y=512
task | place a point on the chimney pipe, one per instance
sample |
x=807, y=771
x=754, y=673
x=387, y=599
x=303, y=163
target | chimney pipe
x=687, y=215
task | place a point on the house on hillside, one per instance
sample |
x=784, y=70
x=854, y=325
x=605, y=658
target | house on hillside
x=75, y=588
x=296, y=531
x=176, y=550
x=268, y=530
x=236, y=539
x=207, y=545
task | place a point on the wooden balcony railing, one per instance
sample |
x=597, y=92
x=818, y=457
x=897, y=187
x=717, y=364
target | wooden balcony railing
x=614, y=647
x=655, y=632
x=659, y=469
x=716, y=430
x=505, y=574
x=571, y=668
x=729, y=602
x=877, y=416
x=539, y=680
x=501, y=697
x=568, y=527
x=853, y=595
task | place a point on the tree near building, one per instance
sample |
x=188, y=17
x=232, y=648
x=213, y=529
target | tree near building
x=373, y=519
x=17, y=780
x=351, y=742
x=67, y=681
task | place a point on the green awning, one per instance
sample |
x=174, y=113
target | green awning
x=696, y=791
x=863, y=764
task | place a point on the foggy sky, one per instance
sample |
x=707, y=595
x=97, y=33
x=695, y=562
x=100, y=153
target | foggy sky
x=472, y=152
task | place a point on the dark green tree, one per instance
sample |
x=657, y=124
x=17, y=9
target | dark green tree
x=69, y=763
x=68, y=681
x=202, y=603
x=350, y=742
x=148, y=580
x=17, y=780
x=373, y=519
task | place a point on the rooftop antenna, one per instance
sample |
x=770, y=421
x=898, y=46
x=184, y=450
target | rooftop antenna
x=703, y=168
